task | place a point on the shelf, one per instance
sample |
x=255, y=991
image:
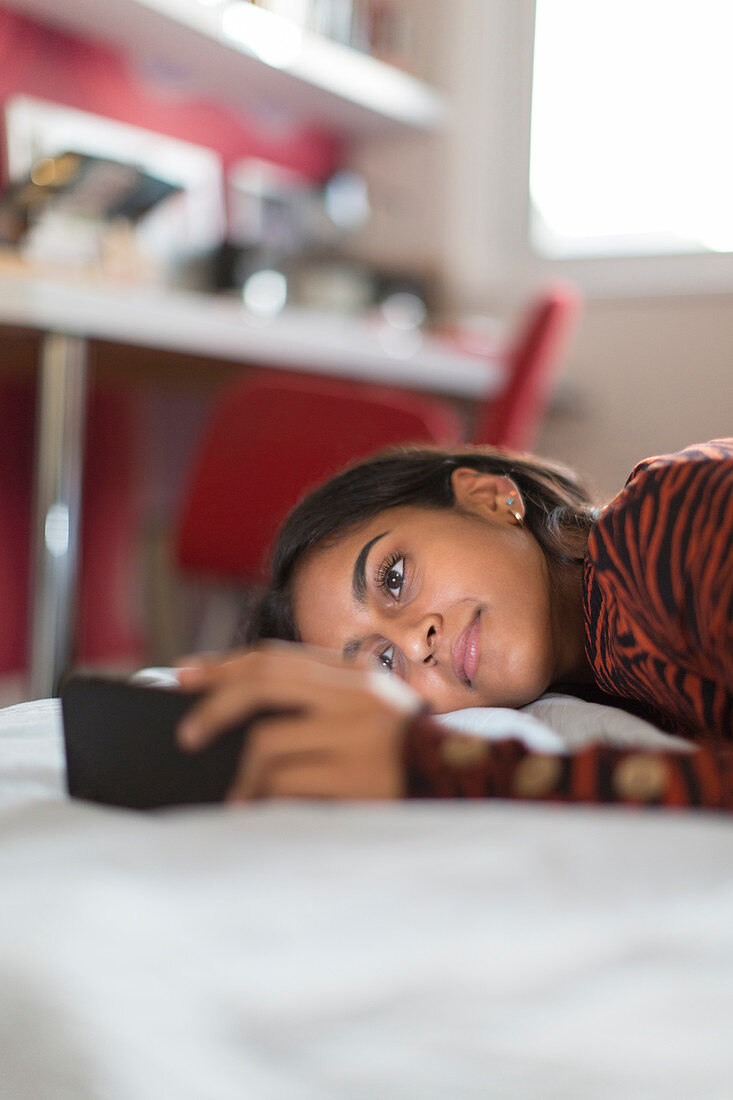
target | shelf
x=221, y=328
x=255, y=61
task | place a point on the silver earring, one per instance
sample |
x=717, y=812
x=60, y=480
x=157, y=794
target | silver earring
x=510, y=504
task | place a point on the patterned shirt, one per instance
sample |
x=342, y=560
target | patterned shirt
x=658, y=590
x=658, y=601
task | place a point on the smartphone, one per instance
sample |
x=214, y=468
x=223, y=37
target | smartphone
x=120, y=745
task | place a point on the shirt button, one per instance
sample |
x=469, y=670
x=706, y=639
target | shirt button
x=536, y=775
x=641, y=777
x=463, y=751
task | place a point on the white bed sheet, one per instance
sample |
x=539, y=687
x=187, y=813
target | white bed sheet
x=320, y=952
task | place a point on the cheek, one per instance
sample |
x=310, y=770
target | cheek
x=439, y=697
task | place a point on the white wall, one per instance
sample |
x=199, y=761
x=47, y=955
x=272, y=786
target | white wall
x=645, y=375
x=648, y=376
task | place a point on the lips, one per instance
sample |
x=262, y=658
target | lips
x=467, y=650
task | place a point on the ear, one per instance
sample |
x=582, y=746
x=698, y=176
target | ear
x=492, y=496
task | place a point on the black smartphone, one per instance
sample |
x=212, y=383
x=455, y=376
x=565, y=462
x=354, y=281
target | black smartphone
x=121, y=750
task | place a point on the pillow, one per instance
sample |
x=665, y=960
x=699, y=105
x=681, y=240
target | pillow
x=579, y=723
x=562, y=723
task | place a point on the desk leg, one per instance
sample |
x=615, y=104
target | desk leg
x=57, y=506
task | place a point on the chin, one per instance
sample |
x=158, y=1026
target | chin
x=447, y=706
x=521, y=682
x=511, y=700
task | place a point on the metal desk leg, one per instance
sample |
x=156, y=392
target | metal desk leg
x=57, y=505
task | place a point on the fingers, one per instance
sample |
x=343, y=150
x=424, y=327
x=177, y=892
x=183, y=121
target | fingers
x=203, y=672
x=269, y=684
x=321, y=729
x=270, y=772
x=307, y=758
x=200, y=669
x=284, y=757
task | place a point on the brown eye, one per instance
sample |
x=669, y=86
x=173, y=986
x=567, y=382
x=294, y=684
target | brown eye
x=394, y=580
x=392, y=576
x=386, y=659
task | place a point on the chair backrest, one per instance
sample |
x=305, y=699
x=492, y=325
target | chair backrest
x=271, y=438
x=532, y=361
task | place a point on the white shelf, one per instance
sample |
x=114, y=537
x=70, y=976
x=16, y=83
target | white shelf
x=219, y=52
x=221, y=328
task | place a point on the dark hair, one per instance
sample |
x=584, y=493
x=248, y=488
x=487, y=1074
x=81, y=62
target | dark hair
x=558, y=511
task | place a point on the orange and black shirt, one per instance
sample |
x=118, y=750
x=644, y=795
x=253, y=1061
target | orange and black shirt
x=658, y=603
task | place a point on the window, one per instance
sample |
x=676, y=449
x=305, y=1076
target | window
x=631, y=151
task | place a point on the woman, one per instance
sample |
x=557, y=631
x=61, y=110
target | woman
x=483, y=579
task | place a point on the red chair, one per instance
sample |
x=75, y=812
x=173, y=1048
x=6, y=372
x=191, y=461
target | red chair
x=272, y=437
x=532, y=361
x=269, y=439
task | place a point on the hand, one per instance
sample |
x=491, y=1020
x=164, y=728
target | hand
x=341, y=738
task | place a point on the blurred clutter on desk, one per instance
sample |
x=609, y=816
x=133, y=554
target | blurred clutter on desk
x=101, y=197
x=117, y=201
x=287, y=241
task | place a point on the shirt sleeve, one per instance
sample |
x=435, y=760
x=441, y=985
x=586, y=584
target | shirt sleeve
x=440, y=764
x=659, y=590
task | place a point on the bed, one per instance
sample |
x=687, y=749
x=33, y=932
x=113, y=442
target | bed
x=344, y=952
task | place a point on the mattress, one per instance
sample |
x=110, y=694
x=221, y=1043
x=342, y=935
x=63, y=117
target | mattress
x=321, y=951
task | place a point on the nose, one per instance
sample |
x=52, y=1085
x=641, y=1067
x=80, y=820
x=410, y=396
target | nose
x=419, y=638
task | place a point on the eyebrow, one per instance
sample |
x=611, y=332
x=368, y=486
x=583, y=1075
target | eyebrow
x=358, y=591
x=358, y=578
x=351, y=649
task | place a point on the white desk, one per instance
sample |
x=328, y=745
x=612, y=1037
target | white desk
x=70, y=312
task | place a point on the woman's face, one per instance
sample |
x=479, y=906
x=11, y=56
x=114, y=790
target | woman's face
x=455, y=601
